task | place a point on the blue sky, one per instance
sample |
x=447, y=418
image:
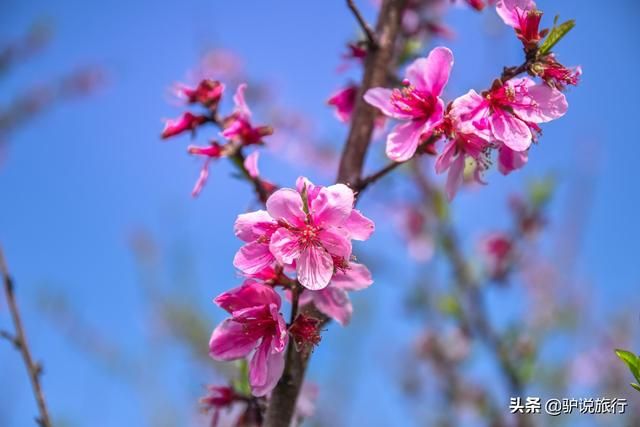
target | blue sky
x=81, y=177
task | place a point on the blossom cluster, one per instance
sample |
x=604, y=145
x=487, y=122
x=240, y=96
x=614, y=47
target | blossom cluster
x=236, y=128
x=302, y=244
x=505, y=118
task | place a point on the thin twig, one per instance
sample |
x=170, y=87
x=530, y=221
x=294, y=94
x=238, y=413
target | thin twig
x=368, y=180
x=20, y=342
x=371, y=38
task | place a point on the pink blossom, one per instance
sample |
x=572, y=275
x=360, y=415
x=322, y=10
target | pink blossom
x=509, y=113
x=310, y=228
x=238, y=127
x=257, y=326
x=334, y=300
x=418, y=104
x=496, y=250
x=306, y=403
x=522, y=16
x=355, y=53
x=186, y=122
x=555, y=74
x=213, y=151
x=344, y=100
x=208, y=93
x=412, y=223
x=317, y=225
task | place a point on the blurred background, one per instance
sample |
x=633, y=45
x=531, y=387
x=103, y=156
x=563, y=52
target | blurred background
x=116, y=265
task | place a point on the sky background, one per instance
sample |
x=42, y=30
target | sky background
x=78, y=180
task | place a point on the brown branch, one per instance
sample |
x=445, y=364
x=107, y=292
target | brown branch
x=19, y=340
x=238, y=159
x=376, y=69
x=283, y=399
x=371, y=38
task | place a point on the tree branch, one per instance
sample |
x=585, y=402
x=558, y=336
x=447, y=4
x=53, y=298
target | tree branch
x=19, y=340
x=371, y=38
x=283, y=399
x=375, y=74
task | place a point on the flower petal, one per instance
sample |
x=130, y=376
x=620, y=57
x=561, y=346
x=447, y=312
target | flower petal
x=403, y=141
x=510, y=130
x=335, y=303
x=253, y=258
x=355, y=278
x=335, y=241
x=358, y=226
x=250, y=294
x=284, y=246
x=314, y=268
x=454, y=179
x=229, y=341
x=332, y=205
x=286, y=204
x=549, y=104
x=265, y=369
x=252, y=225
x=509, y=160
x=431, y=73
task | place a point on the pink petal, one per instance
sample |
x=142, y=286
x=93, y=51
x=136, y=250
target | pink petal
x=202, y=179
x=549, y=104
x=510, y=130
x=380, y=98
x=286, y=204
x=314, y=268
x=252, y=225
x=229, y=341
x=509, y=160
x=251, y=164
x=265, y=369
x=335, y=303
x=454, y=179
x=403, y=141
x=335, y=242
x=431, y=73
x=332, y=205
x=446, y=157
x=358, y=226
x=241, y=105
x=507, y=10
x=253, y=258
x=284, y=246
x=249, y=294
x=355, y=278
x=281, y=331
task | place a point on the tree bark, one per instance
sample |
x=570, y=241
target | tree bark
x=283, y=399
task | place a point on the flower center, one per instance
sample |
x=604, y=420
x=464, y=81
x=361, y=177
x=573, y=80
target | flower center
x=409, y=100
x=309, y=235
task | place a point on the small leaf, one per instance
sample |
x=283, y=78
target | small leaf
x=636, y=386
x=241, y=382
x=631, y=360
x=555, y=35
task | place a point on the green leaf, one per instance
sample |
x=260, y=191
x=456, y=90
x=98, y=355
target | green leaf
x=636, y=386
x=631, y=360
x=241, y=382
x=555, y=35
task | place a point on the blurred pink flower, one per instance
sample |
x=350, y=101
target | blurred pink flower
x=238, y=127
x=186, y=122
x=523, y=17
x=497, y=252
x=344, y=101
